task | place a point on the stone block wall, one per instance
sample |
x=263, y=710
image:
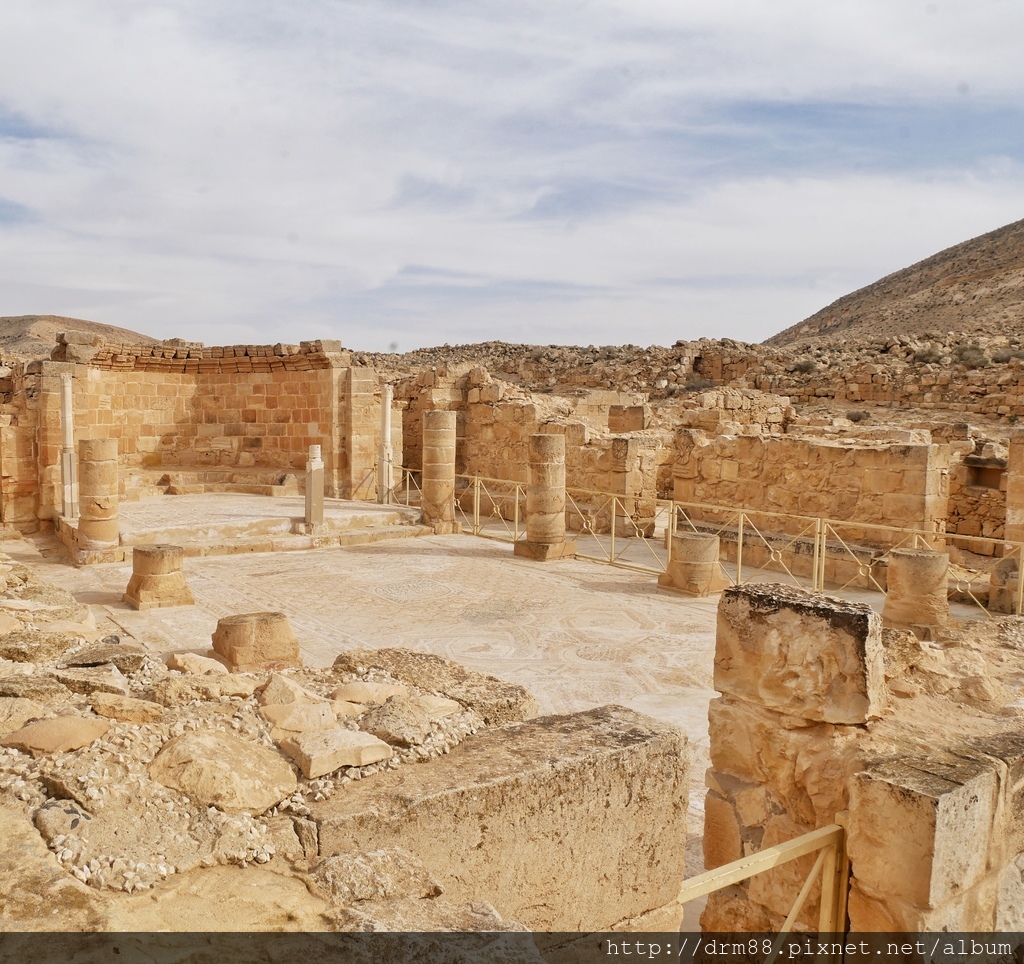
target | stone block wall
x=799, y=677
x=977, y=502
x=884, y=484
x=191, y=407
x=806, y=727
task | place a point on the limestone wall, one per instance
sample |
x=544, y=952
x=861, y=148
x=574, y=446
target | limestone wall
x=820, y=712
x=190, y=407
x=977, y=502
x=885, y=484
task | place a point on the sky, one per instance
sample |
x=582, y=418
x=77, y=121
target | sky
x=402, y=173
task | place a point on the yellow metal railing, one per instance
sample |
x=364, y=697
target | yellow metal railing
x=405, y=487
x=831, y=868
x=807, y=551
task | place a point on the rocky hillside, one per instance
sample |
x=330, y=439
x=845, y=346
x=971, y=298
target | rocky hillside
x=975, y=288
x=34, y=335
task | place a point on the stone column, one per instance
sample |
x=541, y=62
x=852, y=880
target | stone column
x=68, y=466
x=545, y=502
x=158, y=578
x=916, y=597
x=386, y=452
x=97, y=485
x=439, y=470
x=694, y=568
x=314, y=489
x=256, y=641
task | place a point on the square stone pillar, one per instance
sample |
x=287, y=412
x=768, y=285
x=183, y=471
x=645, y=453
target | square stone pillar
x=314, y=490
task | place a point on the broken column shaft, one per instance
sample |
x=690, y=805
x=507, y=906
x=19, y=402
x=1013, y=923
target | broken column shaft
x=545, y=502
x=97, y=486
x=917, y=593
x=439, y=470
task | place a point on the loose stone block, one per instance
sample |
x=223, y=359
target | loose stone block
x=324, y=751
x=811, y=656
x=917, y=593
x=223, y=771
x=496, y=701
x=694, y=569
x=567, y=823
x=940, y=812
x=158, y=578
x=57, y=735
x=252, y=641
x=125, y=708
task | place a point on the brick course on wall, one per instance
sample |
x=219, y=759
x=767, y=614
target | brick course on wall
x=188, y=407
x=885, y=484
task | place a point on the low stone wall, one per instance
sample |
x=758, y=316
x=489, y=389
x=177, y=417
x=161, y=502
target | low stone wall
x=567, y=823
x=869, y=482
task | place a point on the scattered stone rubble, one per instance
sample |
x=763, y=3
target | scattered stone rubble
x=132, y=771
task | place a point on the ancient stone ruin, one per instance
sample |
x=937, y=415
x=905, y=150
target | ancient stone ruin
x=171, y=733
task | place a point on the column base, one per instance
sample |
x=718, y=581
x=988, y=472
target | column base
x=546, y=552
x=696, y=584
x=445, y=528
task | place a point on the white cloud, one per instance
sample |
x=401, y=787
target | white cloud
x=566, y=171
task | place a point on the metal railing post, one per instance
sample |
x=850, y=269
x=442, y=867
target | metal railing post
x=818, y=549
x=515, y=516
x=739, y=551
x=670, y=531
x=476, y=505
x=611, y=541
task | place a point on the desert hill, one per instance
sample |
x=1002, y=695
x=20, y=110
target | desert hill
x=976, y=287
x=34, y=335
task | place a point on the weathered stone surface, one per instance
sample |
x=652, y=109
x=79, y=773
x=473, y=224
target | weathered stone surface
x=125, y=656
x=61, y=817
x=30, y=646
x=405, y=720
x=224, y=771
x=806, y=655
x=942, y=814
x=376, y=875
x=365, y=693
x=806, y=766
x=292, y=709
x=57, y=735
x=291, y=718
x=344, y=709
x=15, y=712
x=193, y=663
x=324, y=751
x=175, y=690
x=39, y=895
x=252, y=641
x=496, y=701
x=481, y=934
x=125, y=708
x=37, y=686
x=529, y=816
x=101, y=679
